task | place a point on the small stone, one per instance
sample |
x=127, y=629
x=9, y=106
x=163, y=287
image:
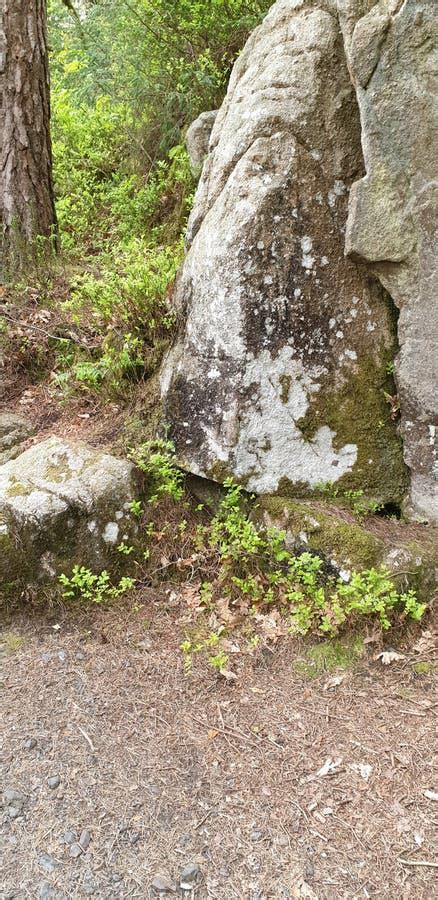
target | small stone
x=85, y=839
x=45, y=891
x=135, y=837
x=76, y=851
x=30, y=744
x=70, y=837
x=54, y=781
x=163, y=885
x=10, y=795
x=256, y=836
x=14, y=812
x=189, y=875
x=116, y=879
x=62, y=656
x=47, y=862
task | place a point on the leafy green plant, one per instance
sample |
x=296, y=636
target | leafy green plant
x=157, y=460
x=83, y=584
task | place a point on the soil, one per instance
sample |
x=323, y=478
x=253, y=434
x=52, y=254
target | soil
x=274, y=785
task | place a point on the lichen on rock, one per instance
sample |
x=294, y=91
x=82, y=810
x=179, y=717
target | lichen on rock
x=61, y=504
x=278, y=327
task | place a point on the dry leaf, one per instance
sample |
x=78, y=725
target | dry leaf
x=427, y=641
x=228, y=674
x=389, y=656
x=212, y=733
x=224, y=612
x=333, y=682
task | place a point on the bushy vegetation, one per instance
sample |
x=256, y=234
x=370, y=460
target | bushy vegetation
x=237, y=574
x=127, y=78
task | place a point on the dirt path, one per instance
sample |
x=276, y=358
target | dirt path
x=275, y=786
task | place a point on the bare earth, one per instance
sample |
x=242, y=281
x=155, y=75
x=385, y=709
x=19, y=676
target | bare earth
x=275, y=785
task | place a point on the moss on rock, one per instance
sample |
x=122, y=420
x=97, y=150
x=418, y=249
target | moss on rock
x=359, y=414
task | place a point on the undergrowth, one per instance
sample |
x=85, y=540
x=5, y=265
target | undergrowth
x=234, y=575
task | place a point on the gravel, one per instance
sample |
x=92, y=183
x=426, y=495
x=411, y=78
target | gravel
x=54, y=781
x=47, y=862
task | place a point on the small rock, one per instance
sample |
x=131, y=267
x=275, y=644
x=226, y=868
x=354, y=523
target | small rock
x=117, y=878
x=189, y=876
x=256, y=836
x=47, y=862
x=76, y=851
x=54, y=781
x=85, y=839
x=62, y=656
x=163, y=885
x=10, y=795
x=135, y=837
x=30, y=744
x=14, y=812
x=70, y=837
x=45, y=891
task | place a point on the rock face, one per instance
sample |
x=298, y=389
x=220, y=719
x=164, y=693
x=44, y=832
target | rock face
x=393, y=58
x=14, y=429
x=60, y=504
x=278, y=375
x=198, y=138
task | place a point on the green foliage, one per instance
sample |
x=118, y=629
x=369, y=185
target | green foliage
x=258, y=564
x=156, y=460
x=84, y=585
x=361, y=505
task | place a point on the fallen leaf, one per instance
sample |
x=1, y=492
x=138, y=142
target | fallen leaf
x=212, y=733
x=389, y=656
x=427, y=641
x=228, y=674
x=224, y=612
x=334, y=682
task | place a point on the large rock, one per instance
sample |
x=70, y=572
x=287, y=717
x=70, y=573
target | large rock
x=14, y=429
x=393, y=59
x=62, y=503
x=278, y=375
x=198, y=138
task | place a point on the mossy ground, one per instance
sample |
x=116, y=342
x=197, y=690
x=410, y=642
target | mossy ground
x=330, y=656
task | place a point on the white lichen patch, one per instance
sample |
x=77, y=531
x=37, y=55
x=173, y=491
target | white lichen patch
x=307, y=260
x=111, y=533
x=271, y=445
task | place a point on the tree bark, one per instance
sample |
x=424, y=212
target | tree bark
x=27, y=209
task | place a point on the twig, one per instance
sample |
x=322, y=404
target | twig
x=417, y=862
x=87, y=738
x=204, y=819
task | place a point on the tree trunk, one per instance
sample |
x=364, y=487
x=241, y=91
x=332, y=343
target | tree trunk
x=27, y=210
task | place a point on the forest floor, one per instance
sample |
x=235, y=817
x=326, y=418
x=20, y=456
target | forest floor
x=283, y=783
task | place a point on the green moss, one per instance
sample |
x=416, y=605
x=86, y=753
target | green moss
x=359, y=414
x=285, y=382
x=330, y=656
x=425, y=668
x=12, y=641
x=349, y=544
